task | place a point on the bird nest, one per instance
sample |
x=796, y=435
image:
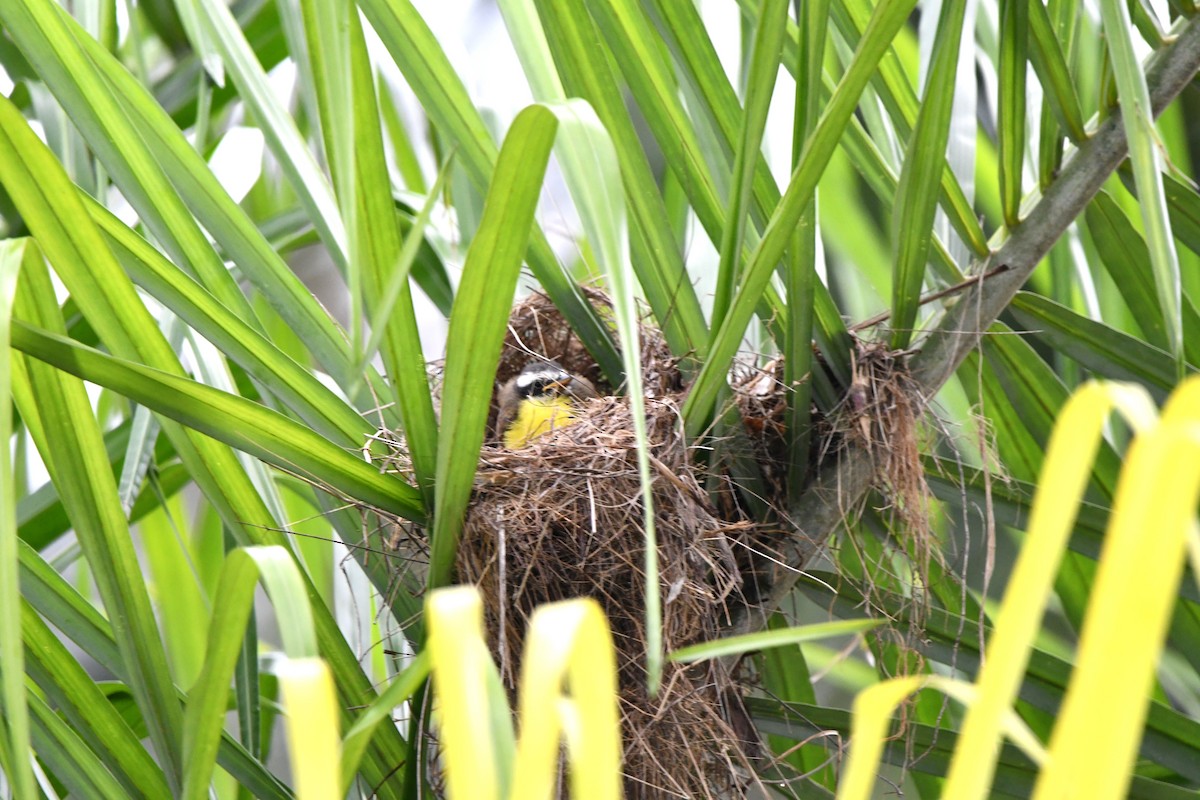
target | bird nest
x=563, y=518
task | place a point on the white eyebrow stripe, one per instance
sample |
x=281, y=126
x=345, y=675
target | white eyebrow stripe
x=528, y=378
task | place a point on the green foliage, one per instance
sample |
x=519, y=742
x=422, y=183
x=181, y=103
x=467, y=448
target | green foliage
x=181, y=394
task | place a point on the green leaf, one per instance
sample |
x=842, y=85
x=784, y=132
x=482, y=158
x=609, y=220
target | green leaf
x=888, y=18
x=68, y=758
x=896, y=91
x=590, y=160
x=159, y=172
x=1124, y=255
x=584, y=70
x=760, y=84
x=12, y=694
x=73, y=450
x=65, y=609
x=917, y=194
x=1105, y=351
x=238, y=422
x=477, y=323
x=354, y=143
x=444, y=98
x=776, y=637
x=1138, y=119
x=89, y=713
x=802, y=279
x=242, y=570
x=294, y=385
x=639, y=57
x=277, y=125
x=1184, y=205
x=1050, y=64
x=786, y=675
x=713, y=98
x=402, y=687
x=1014, y=41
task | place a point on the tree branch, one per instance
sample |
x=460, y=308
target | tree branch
x=842, y=484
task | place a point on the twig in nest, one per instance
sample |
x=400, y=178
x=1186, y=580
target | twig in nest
x=929, y=298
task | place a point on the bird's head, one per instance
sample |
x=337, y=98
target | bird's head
x=541, y=397
x=548, y=379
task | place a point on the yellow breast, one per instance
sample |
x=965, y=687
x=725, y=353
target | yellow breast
x=537, y=416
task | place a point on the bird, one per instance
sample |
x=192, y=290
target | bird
x=540, y=398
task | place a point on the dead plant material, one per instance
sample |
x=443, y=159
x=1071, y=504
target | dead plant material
x=563, y=518
x=882, y=414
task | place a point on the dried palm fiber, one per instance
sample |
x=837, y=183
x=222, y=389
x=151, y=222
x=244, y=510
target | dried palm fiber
x=563, y=518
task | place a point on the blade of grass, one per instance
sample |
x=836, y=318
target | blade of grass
x=202, y=45
x=84, y=707
x=917, y=194
x=402, y=146
x=888, y=18
x=354, y=145
x=1138, y=121
x=414, y=239
x=73, y=451
x=569, y=643
x=571, y=39
x=1014, y=39
x=259, y=431
x=1184, y=205
x=16, y=712
x=285, y=141
x=760, y=85
x=183, y=610
x=477, y=324
x=445, y=100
